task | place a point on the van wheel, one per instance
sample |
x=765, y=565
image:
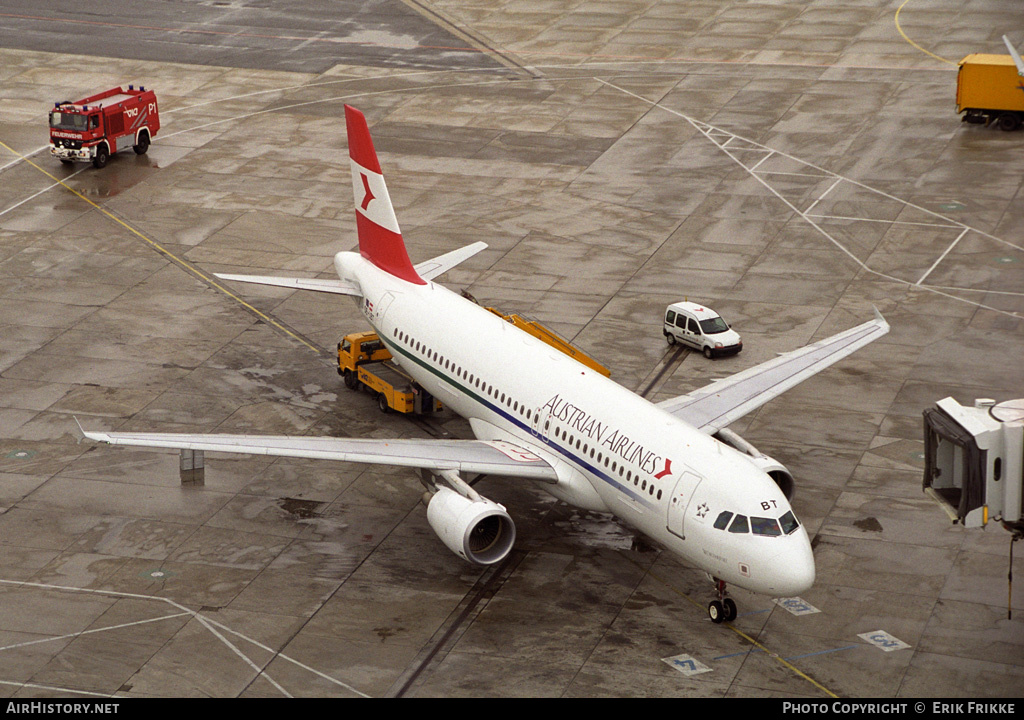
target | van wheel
x=707, y=351
x=670, y=338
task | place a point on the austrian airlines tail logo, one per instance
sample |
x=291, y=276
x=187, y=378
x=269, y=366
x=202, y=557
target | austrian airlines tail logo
x=366, y=188
x=666, y=471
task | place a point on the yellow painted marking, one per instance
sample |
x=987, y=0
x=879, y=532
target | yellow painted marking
x=896, y=19
x=164, y=251
x=750, y=640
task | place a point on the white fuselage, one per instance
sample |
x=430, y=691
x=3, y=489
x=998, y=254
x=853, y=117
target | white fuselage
x=613, y=451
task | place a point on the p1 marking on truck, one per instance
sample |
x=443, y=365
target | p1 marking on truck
x=96, y=127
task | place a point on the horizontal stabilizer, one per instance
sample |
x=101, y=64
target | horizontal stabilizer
x=430, y=269
x=493, y=457
x=327, y=285
x=1015, y=55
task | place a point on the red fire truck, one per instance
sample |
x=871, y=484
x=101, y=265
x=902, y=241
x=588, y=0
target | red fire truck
x=96, y=127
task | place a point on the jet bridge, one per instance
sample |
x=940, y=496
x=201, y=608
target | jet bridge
x=974, y=461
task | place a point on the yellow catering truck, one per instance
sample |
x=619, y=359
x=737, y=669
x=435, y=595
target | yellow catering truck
x=989, y=89
x=364, y=362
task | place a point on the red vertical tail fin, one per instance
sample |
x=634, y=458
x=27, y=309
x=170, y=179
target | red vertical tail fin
x=380, y=239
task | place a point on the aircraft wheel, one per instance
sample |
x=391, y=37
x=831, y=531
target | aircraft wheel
x=716, y=612
x=730, y=609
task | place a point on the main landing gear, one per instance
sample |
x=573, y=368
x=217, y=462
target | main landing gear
x=724, y=608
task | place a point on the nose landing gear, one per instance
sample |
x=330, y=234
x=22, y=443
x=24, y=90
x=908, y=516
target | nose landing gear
x=724, y=608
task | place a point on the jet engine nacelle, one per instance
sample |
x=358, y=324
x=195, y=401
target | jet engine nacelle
x=479, y=531
x=776, y=470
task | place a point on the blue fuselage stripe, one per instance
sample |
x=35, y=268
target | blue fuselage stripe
x=465, y=390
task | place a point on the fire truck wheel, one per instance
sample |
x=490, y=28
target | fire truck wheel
x=143, y=145
x=102, y=155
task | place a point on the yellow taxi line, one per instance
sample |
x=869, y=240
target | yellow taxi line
x=752, y=641
x=164, y=251
x=899, y=29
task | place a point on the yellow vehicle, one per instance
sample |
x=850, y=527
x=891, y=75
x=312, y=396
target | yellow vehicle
x=990, y=89
x=364, y=362
x=542, y=333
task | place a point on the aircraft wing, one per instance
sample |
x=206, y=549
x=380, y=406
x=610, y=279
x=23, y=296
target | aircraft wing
x=492, y=457
x=724, y=401
x=339, y=287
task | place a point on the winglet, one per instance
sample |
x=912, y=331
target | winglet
x=883, y=323
x=380, y=239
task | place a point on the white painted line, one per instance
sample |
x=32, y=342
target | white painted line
x=51, y=688
x=822, y=196
x=45, y=189
x=89, y=632
x=762, y=160
x=12, y=163
x=891, y=222
x=842, y=248
x=935, y=264
x=204, y=621
x=796, y=174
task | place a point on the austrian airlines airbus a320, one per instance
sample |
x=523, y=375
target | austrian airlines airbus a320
x=673, y=470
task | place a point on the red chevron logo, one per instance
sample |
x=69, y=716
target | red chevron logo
x=666, y=471
x=366, y=186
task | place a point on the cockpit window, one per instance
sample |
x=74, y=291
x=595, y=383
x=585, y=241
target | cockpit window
x=723, y=520
x=739, y=525
x=789, y=523
x=765, y=526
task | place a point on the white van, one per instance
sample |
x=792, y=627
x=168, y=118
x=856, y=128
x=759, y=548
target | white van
x=700, y=328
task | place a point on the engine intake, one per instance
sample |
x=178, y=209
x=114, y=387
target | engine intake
x=479, y=531
x=775, y=470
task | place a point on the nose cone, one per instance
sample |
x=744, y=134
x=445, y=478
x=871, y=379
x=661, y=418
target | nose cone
x=793, y=568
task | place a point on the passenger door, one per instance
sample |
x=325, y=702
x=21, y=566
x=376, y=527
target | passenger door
x=680, y=500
